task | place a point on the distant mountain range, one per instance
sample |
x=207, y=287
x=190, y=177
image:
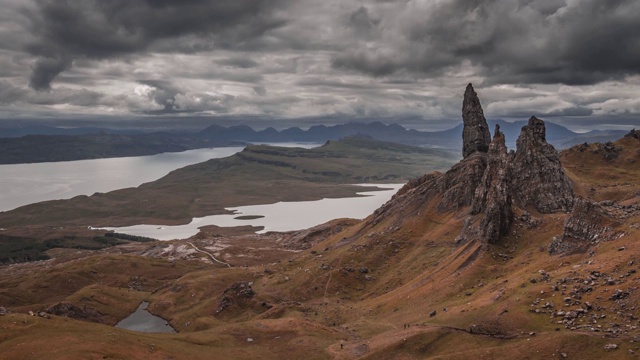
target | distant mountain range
x=48, y=144
x=557, y=135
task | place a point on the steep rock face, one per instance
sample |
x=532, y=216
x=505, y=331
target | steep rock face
x=581, y=229
x=475, y=135
x=458, y=185
x=491, y=213
x=538, y=178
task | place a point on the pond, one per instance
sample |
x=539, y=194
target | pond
x=143, y=321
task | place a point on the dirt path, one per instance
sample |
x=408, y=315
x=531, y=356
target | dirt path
x=210, y=255
x=326, y=288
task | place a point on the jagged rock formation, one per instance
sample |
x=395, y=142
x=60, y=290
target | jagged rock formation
x=581, y=229
x=490, y=181
x=492, y=199
x=538, y=177
x=475, y=135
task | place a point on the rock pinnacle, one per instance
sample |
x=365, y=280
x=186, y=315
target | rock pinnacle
x=475, y=136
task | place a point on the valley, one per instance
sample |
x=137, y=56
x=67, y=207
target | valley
x=524, y=254
x=258, y=175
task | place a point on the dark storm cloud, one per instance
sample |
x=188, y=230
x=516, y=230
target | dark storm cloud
x=526, y=41
x=97, y=29
x=299, y=58
x=46, y=69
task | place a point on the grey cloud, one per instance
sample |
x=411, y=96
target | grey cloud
x=81, y=97
x=532, y=41
x=239, y=62
x=293, y=58
x=9, y=93
x=106, y=29
x=164, y=93
x=315, y=81
x=362, y=23
x=573, y=111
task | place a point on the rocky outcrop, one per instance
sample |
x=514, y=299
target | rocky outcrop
x=70, y=310
x=583, y=228
x=633, y=134
x=491, y=213
x=236, y=294
x=475, y=135
x=538, y=177
x=608, y=150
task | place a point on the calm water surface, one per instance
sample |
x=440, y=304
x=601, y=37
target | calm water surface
x=281, y=216
x=143, y=321
x=23, y=184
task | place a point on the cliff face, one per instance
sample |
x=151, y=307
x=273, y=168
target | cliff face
x=491, y=213
x=538, y=178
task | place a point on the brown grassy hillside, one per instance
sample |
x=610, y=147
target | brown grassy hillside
x=395, y=285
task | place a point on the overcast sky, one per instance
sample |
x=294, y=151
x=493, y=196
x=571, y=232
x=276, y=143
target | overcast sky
x=574, y=61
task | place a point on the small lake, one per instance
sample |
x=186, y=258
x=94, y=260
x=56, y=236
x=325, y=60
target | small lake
x=143, y=321
x=281, y=216
x=22, y=184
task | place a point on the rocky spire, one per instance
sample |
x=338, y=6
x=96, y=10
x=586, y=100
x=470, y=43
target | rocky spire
x=475, y=136
x=538, y=177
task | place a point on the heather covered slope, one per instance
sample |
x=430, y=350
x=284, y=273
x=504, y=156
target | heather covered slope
x=372, y=280
x=403, y=283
